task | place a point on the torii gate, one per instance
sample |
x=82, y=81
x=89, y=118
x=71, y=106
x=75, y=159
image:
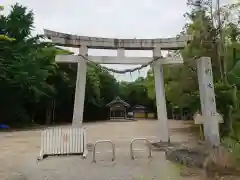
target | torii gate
x=156, y=45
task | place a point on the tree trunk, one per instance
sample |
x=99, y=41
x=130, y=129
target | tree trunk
x=230, y=121
x=48, y=116
x=181, y=114
x=172, y=113
x=49, y=113
x=53, y=111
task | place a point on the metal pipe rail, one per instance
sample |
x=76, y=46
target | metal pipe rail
x=140, y=139
x=103, y=141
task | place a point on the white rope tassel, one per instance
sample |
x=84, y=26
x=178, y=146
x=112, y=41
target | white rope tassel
x=139, y=73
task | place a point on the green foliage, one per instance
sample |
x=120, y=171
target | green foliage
x=234, y=147
x=33, y=88
x=137, y=93
x=5, y=38
x=21, y=71
x=181, y=82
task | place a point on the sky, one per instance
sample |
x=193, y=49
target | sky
x=110, y=18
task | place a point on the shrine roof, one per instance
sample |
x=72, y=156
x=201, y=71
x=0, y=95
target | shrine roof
x=118, y=100
x=139, y=107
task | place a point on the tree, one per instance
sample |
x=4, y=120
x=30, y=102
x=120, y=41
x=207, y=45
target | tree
x=20, y=70
x=181, y=82
x=33, y=87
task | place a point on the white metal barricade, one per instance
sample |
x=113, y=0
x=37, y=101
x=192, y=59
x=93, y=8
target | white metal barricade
x=103, y=141
x=63, y=141
x=140, y=139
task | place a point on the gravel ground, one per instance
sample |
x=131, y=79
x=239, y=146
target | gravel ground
x=21, y=149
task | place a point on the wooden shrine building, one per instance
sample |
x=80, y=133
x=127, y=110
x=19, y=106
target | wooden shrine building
x=139, y=111
x=118, y=109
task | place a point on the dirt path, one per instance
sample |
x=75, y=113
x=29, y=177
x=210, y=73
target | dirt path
x=19, y=151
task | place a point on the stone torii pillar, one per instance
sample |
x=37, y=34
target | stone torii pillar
x=160, y=98
x=80, y=84
x=80, y=89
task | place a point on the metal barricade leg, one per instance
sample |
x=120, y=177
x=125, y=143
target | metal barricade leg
x=140, y=139
x=104, y=141
x=85, y=152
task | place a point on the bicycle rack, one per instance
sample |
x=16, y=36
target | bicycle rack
x=103, y=141
x=140, y=139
